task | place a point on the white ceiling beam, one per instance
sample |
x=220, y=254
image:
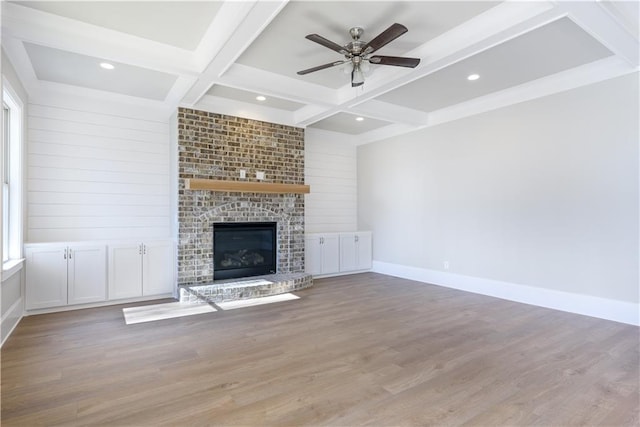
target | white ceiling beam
x=306, y=111
x=389, y=112
x=267, y=83
x=497, y=25
x=254, y=22
x=625, y=13
x=224, y=24
x=42, y=28
x=55, y=93
x=177, y=91
x=328, y=136
x=20, y=61
x=231, y=107
x=584, y=75
x=385, y=132
x=491, y=28
x=600, y=24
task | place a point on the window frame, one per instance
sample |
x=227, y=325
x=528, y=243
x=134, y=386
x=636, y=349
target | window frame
x=6, y=190
x=13, y=175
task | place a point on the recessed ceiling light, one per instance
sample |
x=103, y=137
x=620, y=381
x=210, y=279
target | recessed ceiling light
x=359, y=119
x=261, y=98
x=107, y=66
x=473, y=77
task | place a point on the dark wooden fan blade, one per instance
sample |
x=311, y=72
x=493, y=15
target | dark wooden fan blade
x=320, y=67
x=387, y=36
x=395, y=60
x=327, y=43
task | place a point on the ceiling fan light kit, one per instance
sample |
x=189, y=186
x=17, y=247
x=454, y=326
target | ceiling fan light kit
x=357, y=53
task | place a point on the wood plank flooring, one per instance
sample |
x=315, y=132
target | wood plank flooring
x=358, y=350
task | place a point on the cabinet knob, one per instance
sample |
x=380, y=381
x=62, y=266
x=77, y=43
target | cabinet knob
x=69, y=253
x=65, y=253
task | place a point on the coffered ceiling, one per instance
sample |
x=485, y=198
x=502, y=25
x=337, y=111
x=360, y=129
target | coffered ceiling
x=220, y=55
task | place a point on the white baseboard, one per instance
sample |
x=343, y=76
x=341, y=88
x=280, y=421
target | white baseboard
x=96, y=304
x=10, y=320
x=344, y=273
x=603, y=308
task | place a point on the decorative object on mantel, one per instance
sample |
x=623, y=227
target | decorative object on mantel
x=244, y=187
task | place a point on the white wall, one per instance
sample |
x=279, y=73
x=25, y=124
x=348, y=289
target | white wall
x=96, y=171
x=542, y=194
x=331, y=171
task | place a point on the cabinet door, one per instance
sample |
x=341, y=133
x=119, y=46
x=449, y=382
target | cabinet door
x=46, y=281
x=86, y=274
x=348, y=252
x=363, y=248
x=125, y=270
x=158, y=268
x=330, y=254
x=312, y=255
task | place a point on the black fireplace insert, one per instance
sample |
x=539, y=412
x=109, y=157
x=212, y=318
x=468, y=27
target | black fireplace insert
x=244, y=249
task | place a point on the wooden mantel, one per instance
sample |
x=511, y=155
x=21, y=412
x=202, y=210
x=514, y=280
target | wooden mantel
x=244, y=187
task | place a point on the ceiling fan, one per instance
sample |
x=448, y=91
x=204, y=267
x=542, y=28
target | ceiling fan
x=357, y=53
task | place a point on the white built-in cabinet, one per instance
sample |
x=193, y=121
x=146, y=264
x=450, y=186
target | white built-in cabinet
x=333, y=253
x=158, y=260
x=62, y=274
x=322, y=253
x=140, y=269
x=355, y=251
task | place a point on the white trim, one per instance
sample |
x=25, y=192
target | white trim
x=17, y=138
x=15, y=311
x=98, y=304
x=337, y=274
x=603, y=308
x=11, y=267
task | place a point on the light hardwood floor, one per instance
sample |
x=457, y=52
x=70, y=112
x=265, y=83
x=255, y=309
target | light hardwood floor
x=365, y=349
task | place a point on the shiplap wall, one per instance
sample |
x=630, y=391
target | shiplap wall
x=331, y=171
x=93, y=175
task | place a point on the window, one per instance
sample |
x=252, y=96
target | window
x=12, y=110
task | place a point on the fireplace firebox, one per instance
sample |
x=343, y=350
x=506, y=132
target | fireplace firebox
x=244, y=249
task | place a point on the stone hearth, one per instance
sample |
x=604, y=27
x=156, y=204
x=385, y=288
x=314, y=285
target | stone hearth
x=251, y=287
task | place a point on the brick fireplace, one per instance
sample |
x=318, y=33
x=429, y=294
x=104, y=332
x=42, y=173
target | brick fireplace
x=215, y=146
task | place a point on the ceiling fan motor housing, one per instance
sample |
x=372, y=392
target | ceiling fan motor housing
x=356, y=32
x=355, y=47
